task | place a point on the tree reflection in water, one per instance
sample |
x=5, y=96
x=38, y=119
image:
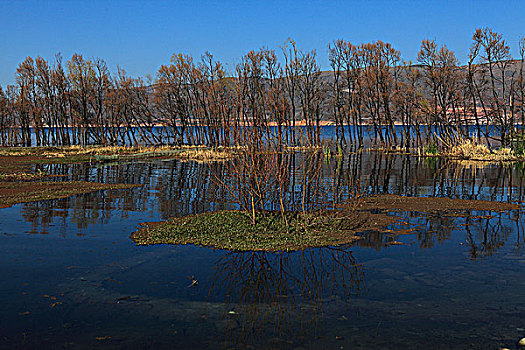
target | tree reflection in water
x=266, y=293
x=484, y=236
x=176, y=188
x=273, y=295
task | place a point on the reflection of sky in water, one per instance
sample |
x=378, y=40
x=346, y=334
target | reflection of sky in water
x=72, y=275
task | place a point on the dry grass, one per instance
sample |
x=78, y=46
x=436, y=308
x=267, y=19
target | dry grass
x=205, y=155
x=304, y=148
x=22, y=176
x=94, y=153
x=61, y=152
x=468, y=150
x=481, y=164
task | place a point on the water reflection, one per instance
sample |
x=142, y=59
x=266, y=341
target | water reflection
x=261, y=299
x=172, y=188
x=280, y=296
x=483, y=232
x=485, y=236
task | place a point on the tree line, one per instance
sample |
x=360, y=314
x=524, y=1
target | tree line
x=279, y=97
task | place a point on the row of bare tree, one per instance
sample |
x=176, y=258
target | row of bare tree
x=370, y=94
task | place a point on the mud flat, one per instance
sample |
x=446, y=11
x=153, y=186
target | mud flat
x=392, y=202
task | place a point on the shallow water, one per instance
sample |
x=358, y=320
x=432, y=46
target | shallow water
x=72, y=278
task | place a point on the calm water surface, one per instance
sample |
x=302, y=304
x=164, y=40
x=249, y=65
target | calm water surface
x=72, y=278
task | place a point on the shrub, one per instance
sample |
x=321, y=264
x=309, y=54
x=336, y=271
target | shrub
x=431, y=148
x=518, y=144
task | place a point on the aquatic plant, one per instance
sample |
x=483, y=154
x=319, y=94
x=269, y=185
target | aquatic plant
x=271, y=231
x=518, y=144
x=431, y=148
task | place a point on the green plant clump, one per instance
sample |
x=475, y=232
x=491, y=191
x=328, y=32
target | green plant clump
x=431, y=148
x=518, y=144
x=272, y=231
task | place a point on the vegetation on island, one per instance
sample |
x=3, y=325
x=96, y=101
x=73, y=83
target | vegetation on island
x=272, y=231
x=277, y=231
x=474, y=151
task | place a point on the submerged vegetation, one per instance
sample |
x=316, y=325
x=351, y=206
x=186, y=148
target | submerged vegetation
x=430, y=204
x=18, y=179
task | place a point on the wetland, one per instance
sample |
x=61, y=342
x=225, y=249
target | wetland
x=263, y=203
x=442, y=268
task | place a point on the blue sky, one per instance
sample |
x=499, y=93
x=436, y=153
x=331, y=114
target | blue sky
x=139, y=36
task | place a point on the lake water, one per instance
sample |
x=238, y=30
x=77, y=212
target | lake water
x=72, y=277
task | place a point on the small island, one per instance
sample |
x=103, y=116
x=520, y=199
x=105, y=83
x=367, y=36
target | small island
x=290, y=231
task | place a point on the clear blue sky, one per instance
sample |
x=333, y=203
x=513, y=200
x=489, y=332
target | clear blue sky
x=139, y=36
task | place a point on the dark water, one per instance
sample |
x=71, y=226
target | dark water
x=72, y=278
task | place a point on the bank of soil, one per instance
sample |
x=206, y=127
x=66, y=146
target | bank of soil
x=19, y=182
x=95, y=154
x=30, y=191
x=390, y=202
